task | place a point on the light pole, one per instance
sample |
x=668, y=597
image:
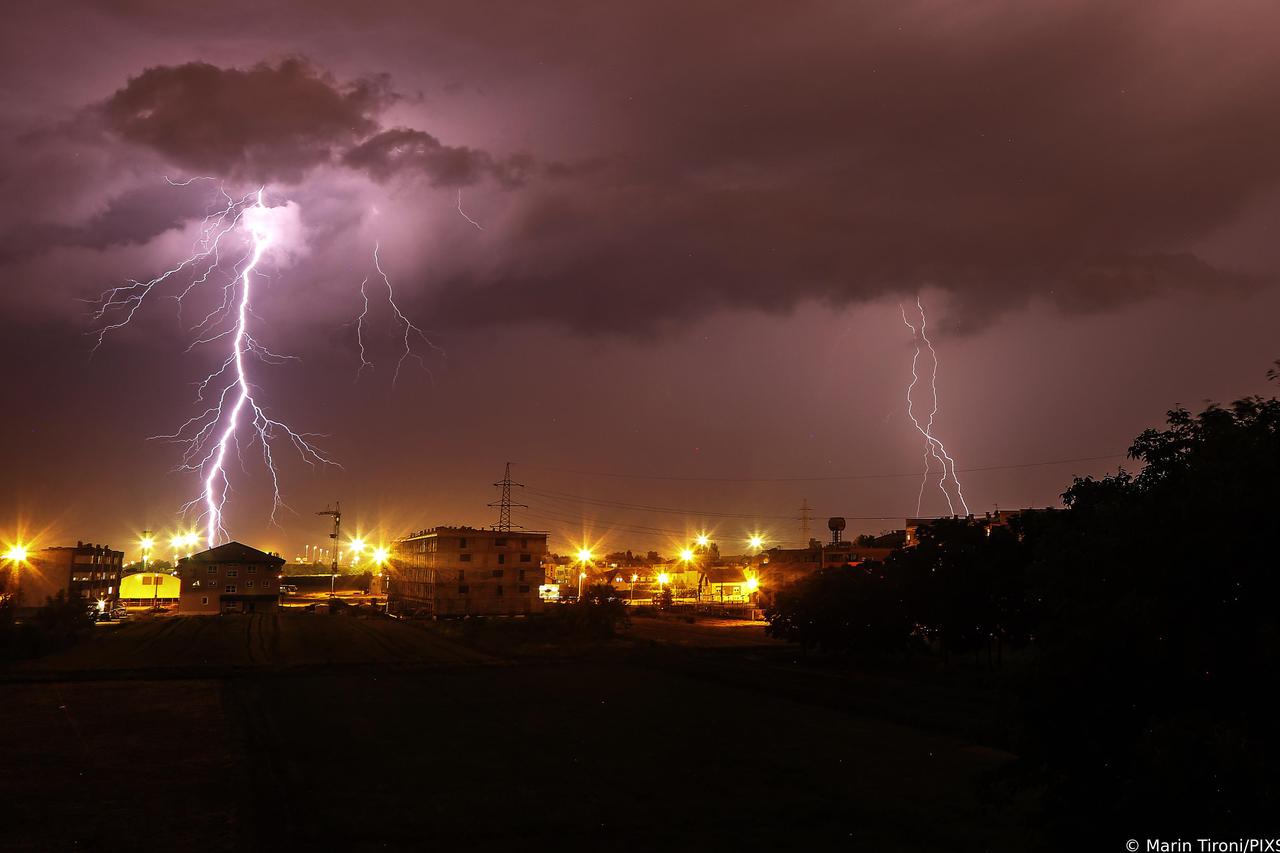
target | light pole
x=584, y=557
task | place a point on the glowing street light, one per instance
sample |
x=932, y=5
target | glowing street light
x=380, y=555
x=663, y=579
x=146, y=543
x=755, y=541
x=584, y=555
x=686, y=555
x=753, y=584
x=16, y=553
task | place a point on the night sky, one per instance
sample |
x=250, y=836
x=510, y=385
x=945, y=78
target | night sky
x=697, y=222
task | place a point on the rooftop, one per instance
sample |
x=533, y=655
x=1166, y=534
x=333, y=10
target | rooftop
x=234, y=552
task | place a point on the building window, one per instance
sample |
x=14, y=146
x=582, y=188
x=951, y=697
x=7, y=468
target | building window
x=251, y=570
x=502, y=558
x=524, y=588
x=146, y=580
x=231, y=573
x=497, y=590
x=522, y=574
x=466, y=558
x=230, y=588
x=462, y=574
x=213, y=570
x=499, y=543
x=249, y=584
x=524, y=543
x=497, y=573
x=462, y=543
x=526, y=558
x=204, y=599
x=463, y=589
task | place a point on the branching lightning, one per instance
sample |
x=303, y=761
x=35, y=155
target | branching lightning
x=209, y=436
x=934, y=449
x=409, y=330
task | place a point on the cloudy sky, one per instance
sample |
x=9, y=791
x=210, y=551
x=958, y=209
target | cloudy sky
x=658, y=249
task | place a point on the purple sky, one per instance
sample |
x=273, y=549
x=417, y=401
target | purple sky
x=698, y=221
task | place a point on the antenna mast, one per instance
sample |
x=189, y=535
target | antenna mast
x=336, y=512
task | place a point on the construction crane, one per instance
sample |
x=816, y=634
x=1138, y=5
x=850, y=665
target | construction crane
x=336, y=512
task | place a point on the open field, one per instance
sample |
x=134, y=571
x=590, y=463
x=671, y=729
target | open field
x=195, y=644
x=408, y=741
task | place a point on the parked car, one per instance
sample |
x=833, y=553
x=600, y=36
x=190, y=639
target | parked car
x=288, y=589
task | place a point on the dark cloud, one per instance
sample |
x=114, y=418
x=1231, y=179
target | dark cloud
x=132, y=217
x=265, y=123
x=404, y=152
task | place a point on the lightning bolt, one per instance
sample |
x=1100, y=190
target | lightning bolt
x=410, y=331
x=211, y=435
x=934, y=449
x=478, y=226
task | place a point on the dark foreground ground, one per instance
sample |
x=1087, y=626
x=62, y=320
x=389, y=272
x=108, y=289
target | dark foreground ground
x=314, y=733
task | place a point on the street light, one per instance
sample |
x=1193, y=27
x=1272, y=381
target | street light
x=755, y=541
x=703, y=540
x=146, y=543
x=16, y=554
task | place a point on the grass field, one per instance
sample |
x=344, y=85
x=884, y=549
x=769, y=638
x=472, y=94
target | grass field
x=313, y=732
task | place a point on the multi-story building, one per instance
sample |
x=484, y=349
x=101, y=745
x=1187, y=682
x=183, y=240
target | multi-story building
x=460, y=571
x=90, y=572
x=231, y=578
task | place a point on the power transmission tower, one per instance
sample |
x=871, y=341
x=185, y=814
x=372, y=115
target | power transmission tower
x=806, y=516
x=336, y=512
x=504, y=503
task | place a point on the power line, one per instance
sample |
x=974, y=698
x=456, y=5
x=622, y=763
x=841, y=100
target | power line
x=825, y=478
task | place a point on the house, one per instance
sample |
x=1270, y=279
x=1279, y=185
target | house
x=231, y=578
x=466, y=571
x=727, y=585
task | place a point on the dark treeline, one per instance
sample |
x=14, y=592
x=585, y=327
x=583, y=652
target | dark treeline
x=1144, y=616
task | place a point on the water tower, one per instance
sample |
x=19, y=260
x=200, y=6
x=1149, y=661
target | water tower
x=836, y=525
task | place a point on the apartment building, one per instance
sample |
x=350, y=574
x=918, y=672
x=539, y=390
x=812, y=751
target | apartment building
x=460, y=571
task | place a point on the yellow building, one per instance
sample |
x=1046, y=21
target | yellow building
x=143, y=589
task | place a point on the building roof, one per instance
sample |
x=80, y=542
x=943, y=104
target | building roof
x=454, y=530
x=234, y=552
x=725, y=574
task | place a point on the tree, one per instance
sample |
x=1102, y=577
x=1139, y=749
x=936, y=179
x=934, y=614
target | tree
x=1159, y=624
x=852, y=609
